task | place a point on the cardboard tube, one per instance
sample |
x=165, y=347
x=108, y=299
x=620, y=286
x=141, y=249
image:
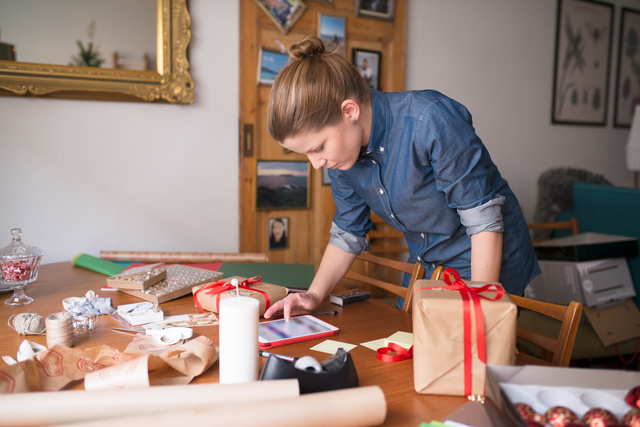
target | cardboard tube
x=77, y=406
x=354, y=407
x=182, y=257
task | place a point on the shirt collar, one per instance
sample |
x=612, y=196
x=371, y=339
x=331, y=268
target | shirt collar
x=380, y=122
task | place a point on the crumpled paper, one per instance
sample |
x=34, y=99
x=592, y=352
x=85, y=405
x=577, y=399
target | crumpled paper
x=88, y=304
x=55, y=368
x=26, y=351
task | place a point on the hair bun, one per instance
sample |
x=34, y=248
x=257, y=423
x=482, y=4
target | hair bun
x=309, y=46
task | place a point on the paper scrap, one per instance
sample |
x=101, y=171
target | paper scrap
x=331, y=346
x=403, y=339
x=204, y=319
x=181, y=320
x=374, y=345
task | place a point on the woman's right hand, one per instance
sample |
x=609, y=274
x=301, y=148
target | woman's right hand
x=294, y=304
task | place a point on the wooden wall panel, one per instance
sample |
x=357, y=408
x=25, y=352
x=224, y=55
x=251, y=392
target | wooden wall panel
x=308, y=228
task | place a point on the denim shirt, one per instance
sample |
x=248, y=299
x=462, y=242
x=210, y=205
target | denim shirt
x=427, y=173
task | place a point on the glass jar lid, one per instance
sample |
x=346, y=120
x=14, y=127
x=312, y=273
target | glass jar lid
x=17, y=249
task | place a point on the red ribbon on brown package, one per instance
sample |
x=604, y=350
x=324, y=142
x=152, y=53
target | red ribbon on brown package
x=468, y=295
x=220, y=286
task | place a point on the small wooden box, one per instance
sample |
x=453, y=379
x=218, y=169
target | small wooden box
x=137, y=278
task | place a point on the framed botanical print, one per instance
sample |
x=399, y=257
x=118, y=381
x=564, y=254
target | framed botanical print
x=582, y=62
x=628, y=80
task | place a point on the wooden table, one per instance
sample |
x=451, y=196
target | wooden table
x=358, y=323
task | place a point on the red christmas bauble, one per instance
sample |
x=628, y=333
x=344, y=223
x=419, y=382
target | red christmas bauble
x=598, y=417
x=633, y=397
x=559, y=416
x=632, y=418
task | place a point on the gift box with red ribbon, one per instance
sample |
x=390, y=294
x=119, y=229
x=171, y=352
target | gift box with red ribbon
x=458, y=328
x=207, y=297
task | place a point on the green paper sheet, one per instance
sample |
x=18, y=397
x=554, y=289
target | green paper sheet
x=98, y=265
x=289, y=275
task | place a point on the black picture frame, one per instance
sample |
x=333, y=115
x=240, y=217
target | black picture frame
x=282, y=184
x=580, y=85
x=368, y=64
x=378, y=9
x=628, y=77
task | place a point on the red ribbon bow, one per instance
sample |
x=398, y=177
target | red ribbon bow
x=468, y=295
x=221, y=286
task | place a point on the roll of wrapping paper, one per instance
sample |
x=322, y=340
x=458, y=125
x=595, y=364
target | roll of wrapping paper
x=98, y=265
x=182, y=257
x=353, y=407
x=63, y=407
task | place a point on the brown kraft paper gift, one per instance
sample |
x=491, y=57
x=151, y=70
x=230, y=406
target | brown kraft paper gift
x=439, y=335
x=207, y=297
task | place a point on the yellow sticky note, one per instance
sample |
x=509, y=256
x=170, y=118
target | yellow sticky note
x=374, y=345
x=403, y=339
x=331, y=346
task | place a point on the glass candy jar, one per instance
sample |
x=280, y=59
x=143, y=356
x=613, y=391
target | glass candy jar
x=18, y=266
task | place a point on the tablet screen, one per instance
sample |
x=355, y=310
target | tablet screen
x=300, y=326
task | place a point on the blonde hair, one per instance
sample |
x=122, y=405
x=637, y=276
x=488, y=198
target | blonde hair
x=308, y=92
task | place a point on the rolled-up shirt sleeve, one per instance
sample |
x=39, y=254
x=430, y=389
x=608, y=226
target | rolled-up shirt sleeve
x=486, y=217
x=348, y=242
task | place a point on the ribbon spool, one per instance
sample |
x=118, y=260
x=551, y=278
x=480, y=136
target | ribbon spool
x=60, y=329
x=27, y=323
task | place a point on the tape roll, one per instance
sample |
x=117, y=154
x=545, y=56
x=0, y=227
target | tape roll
x=308, y=363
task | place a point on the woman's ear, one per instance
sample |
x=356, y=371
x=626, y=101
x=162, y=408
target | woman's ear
x=351, y=110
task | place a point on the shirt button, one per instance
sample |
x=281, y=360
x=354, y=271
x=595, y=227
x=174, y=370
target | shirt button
x=419, y=259
x=422, y=235
x=374, y=162
x=393, y=216
x=381, y=191
x=381, y=148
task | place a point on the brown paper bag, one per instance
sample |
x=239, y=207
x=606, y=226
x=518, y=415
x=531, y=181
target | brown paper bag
x=207, y=297
x=439, y=335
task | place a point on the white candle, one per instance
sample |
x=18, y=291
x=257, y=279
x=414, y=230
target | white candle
x=239, y=340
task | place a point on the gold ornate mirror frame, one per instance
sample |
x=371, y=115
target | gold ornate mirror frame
x=172, y=82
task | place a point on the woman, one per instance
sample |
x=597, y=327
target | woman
x=413, y=158
x=278, y=235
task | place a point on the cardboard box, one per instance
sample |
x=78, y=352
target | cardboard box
x=438, y=338
x=586, y=247
x=209, y=301
x=542, y=387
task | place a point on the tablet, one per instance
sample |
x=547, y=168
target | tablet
x=273, y=333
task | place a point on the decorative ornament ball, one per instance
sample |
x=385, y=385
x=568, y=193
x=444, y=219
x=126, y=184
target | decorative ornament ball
x=598, y=417
x=632, y=418
x=559, y=416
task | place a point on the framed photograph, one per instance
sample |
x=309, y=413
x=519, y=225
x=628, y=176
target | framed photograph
x=628, y=80
x=582, y=62
x=282, y=185
x=284, y=13
x=379, y=9
x=326, y=180
x=368, y=63
x=331, y=30
x=278, y=233
x=270, y=63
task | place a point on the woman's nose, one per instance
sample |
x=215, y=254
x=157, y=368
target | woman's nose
x=317, y=162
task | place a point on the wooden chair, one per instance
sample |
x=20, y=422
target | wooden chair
x=416, y=270
x=571, y=224
x=385, y=239
x=554, y=351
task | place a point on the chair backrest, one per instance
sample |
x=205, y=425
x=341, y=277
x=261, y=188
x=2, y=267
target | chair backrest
x=385, y=239
x=571, y=225
x=554, y=350
x=416, y=270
